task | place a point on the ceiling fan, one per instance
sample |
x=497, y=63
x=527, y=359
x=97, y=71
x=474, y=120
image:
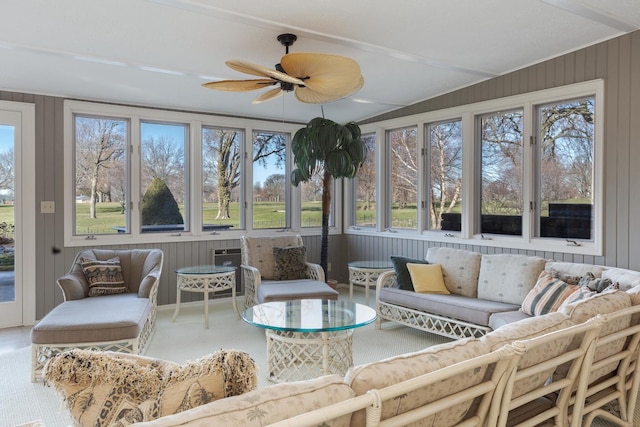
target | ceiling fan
x=314, y=78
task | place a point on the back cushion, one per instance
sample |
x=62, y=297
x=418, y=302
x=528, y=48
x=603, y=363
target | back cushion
x=574, y=269
x=460, y=269
x=258, y=252
x=403, y=367
x=627, y=279
x=508, y=278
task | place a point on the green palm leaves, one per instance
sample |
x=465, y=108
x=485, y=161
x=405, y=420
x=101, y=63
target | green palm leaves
x=325, y=143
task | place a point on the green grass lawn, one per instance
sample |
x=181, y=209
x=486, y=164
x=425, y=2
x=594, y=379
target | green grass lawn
x=266, y=215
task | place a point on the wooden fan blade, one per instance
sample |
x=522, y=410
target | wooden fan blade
x=304, y=94
x=268, y=95
x=240, y=85
x=259, y=70
x=324, y=73
x=310, y=96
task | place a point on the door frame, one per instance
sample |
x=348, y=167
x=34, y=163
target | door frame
x=25, y=206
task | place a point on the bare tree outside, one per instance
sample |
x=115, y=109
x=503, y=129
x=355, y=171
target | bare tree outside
x=221, y=160
x=100, y=146
x=502, y=163
x=566, y=158
x=269, y=161
x=7, y=170
x=163, y=156
x=445, y=148
x=404, y=175
x=365, y=183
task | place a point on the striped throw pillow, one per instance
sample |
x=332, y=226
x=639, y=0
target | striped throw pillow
x=547, y=295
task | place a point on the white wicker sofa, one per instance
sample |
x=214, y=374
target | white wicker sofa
x=121, y=322
x=486, y=291
x=545, y=366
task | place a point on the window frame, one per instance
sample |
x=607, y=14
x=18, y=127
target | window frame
x=468, y=113
x=193, y=163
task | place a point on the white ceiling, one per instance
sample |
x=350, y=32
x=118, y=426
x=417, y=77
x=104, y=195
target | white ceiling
x=159, y=52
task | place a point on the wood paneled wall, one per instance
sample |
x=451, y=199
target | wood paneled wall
x=617, y=61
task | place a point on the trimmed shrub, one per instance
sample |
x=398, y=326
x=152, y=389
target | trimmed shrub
x=159, y=207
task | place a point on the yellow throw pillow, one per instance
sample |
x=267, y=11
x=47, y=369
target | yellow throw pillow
x=427, y=278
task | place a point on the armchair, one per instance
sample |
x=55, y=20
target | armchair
x=261, y=267
x=94, y=315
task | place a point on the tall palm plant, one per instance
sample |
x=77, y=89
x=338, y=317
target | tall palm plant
x=332, y=149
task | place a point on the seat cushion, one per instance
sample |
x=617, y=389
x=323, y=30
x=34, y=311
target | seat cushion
x=97, y=319
x=286, y=290
x=459, y=307
x=504, y=318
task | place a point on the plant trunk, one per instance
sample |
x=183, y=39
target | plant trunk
x=326, y=211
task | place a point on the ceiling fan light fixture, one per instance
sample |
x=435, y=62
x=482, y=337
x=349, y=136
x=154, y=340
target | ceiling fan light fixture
x=314, y=77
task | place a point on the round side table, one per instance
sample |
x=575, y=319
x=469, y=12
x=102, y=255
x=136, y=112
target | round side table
x=366, y=273
x=205, y=279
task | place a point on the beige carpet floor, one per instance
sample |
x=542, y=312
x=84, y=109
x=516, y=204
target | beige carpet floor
x=186, y=339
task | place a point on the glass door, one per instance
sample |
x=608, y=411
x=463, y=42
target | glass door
x=10, y=288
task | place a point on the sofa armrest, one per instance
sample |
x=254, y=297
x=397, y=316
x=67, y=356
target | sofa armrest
x=74, y=286
x=149, y=283
x=315, y=272
x=388, y=279
x=252, y=280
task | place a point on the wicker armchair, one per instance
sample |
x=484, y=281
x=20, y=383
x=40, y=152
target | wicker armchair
x=259, y=272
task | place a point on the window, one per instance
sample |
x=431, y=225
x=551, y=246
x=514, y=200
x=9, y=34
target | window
x=101, y=169
x=565, y=138
x=501, y=136
x=403, y=150
x=365, y=186
x=163, y=181
x=221, y=178
x=445, y=175
x=522, y=172
x=271, y=187
x=136, y=175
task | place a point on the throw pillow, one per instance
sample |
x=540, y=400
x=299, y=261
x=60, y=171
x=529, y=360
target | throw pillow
x=427, y=278
x=547, y=295
x=403, y=278
x=103, y=277
x=291, y=263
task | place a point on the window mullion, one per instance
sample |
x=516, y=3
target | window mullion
x=135, y=164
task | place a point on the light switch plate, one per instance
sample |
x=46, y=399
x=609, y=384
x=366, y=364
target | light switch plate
x=47, y=207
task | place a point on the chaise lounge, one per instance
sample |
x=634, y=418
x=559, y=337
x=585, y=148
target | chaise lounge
x=108, y=305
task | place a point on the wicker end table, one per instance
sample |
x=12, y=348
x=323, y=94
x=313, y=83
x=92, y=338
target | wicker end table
x=308, y=338
x=366, y=273
x=206, y=279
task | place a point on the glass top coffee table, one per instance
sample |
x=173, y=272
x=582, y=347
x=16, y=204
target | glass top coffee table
x=308, y=338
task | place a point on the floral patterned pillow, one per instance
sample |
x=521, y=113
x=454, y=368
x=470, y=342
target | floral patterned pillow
x=291, y=263
x=103, y=277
